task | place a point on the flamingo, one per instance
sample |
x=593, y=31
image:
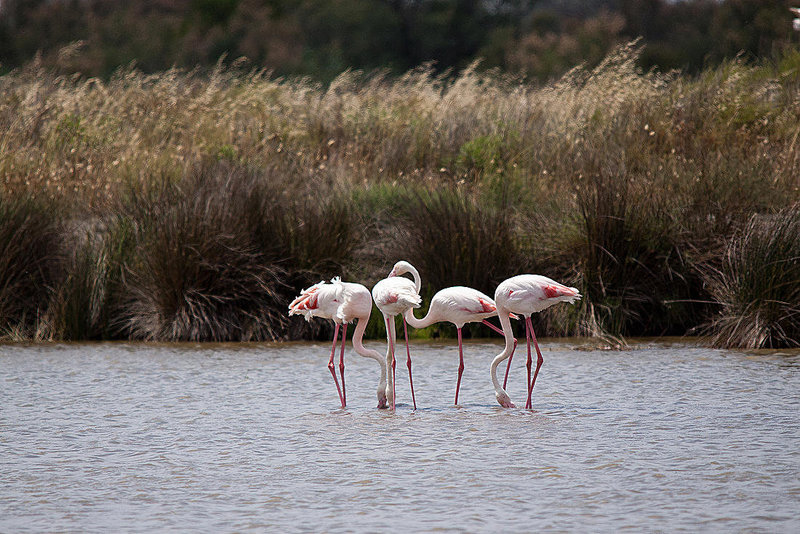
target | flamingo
x=394, y=295
x=343, y=302
x=525, y=294
x=458, y=305
x=795, y=21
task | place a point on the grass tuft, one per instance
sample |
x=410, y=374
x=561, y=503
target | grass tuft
x=758, y=284
x=196, y=273
x=29, y=264
x=454, y=240
x=219, y=254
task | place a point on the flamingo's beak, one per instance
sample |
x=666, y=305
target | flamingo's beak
x=392, y=273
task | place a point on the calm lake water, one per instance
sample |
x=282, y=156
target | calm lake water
x=209, y=438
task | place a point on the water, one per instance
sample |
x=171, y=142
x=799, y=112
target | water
x=208, y=438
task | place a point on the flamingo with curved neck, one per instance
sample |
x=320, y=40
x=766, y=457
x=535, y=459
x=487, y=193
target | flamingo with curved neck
x=525, y=294
x=458, y=305
x=342, y=302
x=395, y=295
x=358, y=346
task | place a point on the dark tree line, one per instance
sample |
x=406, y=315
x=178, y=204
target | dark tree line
x=320, y=38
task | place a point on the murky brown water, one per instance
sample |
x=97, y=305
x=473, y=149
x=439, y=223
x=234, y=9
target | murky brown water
x=133, y=437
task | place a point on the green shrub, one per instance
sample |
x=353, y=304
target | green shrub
x=482, y=154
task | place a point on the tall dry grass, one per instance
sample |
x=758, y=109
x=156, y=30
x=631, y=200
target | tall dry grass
x=621, y=182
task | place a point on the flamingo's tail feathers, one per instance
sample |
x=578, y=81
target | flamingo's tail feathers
x=513, y=316
x=414, y=300
x=562, y=293
x=306, y=302
x=304, y=307
x=487, y=305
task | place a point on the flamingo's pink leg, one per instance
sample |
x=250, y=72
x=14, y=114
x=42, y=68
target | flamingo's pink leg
x=493, y=327
x=394, y=362
x=408, y=363
x=539, y=361
x=341, y=365
x=508, y=365
x=460, y=365
x=332, y=367
x=530, y=360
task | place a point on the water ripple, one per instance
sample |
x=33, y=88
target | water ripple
x=202, y=438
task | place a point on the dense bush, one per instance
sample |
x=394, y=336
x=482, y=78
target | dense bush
x=219, y=254
x=321, y=38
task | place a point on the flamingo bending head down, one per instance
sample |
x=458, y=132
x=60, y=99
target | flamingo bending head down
x=342, y=302
x=525, y=294
x=458, y=305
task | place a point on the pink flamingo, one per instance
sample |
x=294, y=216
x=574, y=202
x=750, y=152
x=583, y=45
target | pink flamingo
x=393, y=296
x=525, y=294
x=343, y=302
x=458, y=305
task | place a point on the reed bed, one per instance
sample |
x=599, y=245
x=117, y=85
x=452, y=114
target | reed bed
x=193, y=206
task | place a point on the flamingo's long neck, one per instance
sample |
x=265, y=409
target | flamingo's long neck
x=358, y=345
x=508, y=333
x=389, y=337
x=409, y=314
x=415, y=274
x=420, y=323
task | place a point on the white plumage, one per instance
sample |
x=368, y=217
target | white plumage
x=342, y=302
x=531, y=293
x=337, y=300
x=525, y=294
x=458, y=305
x=393, y=296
